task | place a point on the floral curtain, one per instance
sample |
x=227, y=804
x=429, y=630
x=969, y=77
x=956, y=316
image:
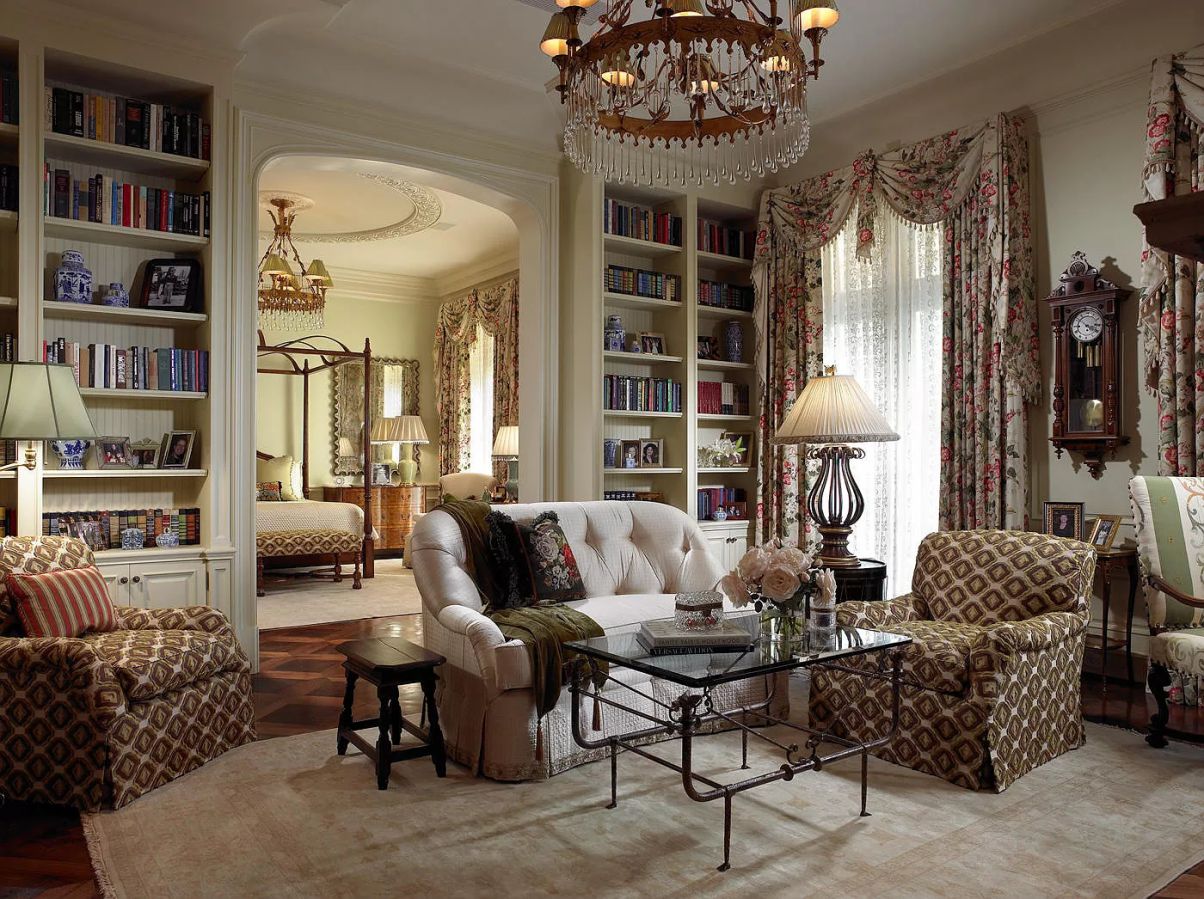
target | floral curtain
x=1172, y=324
x=974, y=181
x=495, y=310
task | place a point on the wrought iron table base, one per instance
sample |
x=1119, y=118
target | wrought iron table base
x=684, y=719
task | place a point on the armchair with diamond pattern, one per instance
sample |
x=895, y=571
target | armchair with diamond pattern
x=990, y=683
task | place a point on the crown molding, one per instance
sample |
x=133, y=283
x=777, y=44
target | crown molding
x=382, y=287
x=480, y=273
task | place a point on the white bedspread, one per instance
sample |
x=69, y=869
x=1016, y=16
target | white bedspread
x=308, y=515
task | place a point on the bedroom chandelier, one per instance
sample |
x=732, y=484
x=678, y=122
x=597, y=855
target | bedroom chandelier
x=288, y=300
x=701, y=90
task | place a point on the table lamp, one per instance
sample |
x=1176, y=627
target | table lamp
x=40, y=402
x=384, y=431
x=410, y=430
x=505, y=449
x=831, y=413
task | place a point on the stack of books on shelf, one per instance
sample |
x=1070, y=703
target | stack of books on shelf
x=633, y=496
x=732, y=500
x=8, y=521
x=629, y=393
x=9, y=181
x=722, y=398
x=8, y=353
x=110, y=367
x=130, y=123
x=641, y=283
x=641, y=222
x=8, y=98
x=102, y=529
x=725, y=296
x=105, y=201
x=716, y=237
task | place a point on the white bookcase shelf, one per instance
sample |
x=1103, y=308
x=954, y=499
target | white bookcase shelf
x=723, y=365
x=636, y=247
x=642, y=358
x=130, y=159
x=636, y=472
x=155, y=317
x=140, y=396
x=631, y=301
x=119, y=235
x=123, y=473
x=718, y=260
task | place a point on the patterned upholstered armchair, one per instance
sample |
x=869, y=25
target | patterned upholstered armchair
x=1169, y=516
x=991, y=680
x=97, y=721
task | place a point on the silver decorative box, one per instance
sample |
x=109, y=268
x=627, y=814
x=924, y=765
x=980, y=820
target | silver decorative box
x=698, y=611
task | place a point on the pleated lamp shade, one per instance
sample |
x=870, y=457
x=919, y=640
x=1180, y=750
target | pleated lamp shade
x=345, y=447
x=834, y=409
x=41, y=402
x=385, y=430
x=505, y=445
x=410, y=430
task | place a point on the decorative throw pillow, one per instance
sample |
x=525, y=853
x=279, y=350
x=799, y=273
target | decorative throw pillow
x=268, y=492
x=537, y=559
x=287, y=471
x=35, y=555
x=62, y=603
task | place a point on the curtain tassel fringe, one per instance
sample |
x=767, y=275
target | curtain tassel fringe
x=597, y=711
x=539, y=740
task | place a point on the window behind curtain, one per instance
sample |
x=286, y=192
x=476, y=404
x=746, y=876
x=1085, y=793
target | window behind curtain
x=392, y=391
x=480, y=406
x=882, y=325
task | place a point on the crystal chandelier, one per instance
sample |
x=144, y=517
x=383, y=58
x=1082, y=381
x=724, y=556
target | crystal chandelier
x=288, y=300
x=701, y=90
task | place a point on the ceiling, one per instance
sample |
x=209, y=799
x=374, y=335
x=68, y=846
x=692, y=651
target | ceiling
x=380, y=217
x=476, y=62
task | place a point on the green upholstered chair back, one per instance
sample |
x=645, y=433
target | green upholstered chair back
x=982, y=577
x=1169, y=516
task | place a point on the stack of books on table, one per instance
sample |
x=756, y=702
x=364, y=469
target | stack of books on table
x=664, y=638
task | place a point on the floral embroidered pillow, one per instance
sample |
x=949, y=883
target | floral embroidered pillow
x=268, y=492
x=538, y=560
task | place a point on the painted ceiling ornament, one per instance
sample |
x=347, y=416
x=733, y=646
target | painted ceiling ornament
x=427, y=212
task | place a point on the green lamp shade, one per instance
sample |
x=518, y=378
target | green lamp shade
x=41, y=402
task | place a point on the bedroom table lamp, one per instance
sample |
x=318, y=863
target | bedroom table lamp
x=410, y=431
x=831, y=413
x=384, y=431
x=505, y=449
x=40, y=402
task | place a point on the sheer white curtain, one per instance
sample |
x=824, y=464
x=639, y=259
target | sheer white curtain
x=882, y=325
x=480, y=404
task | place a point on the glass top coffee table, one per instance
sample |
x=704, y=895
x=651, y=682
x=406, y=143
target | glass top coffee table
x=696, y=709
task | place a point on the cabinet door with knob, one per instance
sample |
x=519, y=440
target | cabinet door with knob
x=156, y=585
x=728, y=541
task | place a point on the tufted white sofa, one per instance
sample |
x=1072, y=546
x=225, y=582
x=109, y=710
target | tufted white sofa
x=634, y=558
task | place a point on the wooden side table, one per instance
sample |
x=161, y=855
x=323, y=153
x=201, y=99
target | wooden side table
x=388, y=663
x=1109, y=562
x=394, y=510
x=867, y=581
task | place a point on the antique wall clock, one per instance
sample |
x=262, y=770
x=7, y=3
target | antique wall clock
x=1084, y=313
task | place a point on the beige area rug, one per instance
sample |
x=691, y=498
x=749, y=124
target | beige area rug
x=289, y=818
x=299, y=602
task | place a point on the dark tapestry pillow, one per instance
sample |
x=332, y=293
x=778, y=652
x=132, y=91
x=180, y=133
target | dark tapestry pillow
x=268, y=492
x=536, y=559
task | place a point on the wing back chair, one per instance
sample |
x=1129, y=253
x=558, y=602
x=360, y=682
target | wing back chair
x=97, y=720
x=1169, y=517
x=990, y=683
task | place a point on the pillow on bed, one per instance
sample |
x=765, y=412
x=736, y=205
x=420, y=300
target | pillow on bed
x=287, y=471
x=268, y=492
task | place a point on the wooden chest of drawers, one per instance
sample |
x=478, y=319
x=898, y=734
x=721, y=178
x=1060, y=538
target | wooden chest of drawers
x=393, y=510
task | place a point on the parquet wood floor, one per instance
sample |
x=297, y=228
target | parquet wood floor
x=299, y=689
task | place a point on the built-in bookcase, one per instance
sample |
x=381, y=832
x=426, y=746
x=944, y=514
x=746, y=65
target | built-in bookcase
x=586, y=422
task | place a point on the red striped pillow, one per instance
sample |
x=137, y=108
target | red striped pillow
x=63, y=603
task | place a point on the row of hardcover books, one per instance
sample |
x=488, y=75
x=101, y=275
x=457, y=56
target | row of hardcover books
x=725, y=296
x=110, y=367
x=9, y=187
x=715, y=237
x=722, y=398
x=8, y=521
x=641, y=222
x=631, y=496
x=103, y=200
x=127, y=122
x=102, y=530
x=8, y=98
x=627, y=393
x=642, y=283
x=732, y=500
x=8, y=347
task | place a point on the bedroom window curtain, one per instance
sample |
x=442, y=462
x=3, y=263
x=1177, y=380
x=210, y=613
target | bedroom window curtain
x=480, y=416
x=393, y=384
x=883, y=318
x=494, y=310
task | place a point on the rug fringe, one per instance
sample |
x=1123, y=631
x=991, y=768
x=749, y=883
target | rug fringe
x=99, y=871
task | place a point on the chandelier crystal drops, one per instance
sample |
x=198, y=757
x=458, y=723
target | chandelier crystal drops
x=702, y=90
x=288, y=300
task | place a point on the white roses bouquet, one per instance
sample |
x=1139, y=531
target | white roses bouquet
x=777, y=579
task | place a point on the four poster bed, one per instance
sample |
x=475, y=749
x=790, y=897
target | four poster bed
x=304, y=533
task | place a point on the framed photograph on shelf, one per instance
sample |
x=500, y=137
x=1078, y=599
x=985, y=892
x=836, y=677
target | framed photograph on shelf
x=652, y=343
x=1063, y=520
x=113, y=452
x=173, y=284
x=743, y=440
x=176, y=449
x=706, y=348
x=629, y=454
x=652, y=453
x=1103, y=531
x=145, y=454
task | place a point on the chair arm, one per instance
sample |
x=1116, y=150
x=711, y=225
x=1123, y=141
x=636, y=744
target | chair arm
x=876, y=614
x=191, y=618
x=1162, y=586
x=500, y=661
x=44, y=667
x=1041, y=632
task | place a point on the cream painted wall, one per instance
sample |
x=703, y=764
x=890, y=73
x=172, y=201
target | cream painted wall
x=397, y=329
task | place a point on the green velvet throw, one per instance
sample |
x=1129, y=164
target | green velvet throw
x=470, y=516
x=544, y=630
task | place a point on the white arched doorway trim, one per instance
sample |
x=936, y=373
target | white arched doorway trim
x=529, y=198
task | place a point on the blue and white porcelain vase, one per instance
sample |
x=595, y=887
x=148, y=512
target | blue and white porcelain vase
x=615, y=338
x=733, y=339
x=720, y=514
x=70, y=453
x=167, y=538
x=116, y=296
x=73, y=279
x=132, y=538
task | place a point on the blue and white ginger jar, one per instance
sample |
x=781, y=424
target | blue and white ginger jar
x=117, y=296
x=70, y=453
x=73, y=279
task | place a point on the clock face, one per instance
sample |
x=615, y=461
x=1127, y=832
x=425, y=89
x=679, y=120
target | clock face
x=1087, y=325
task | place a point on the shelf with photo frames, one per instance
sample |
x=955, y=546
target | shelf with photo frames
x=643, y=470
x=122, y=315
x=124, y=473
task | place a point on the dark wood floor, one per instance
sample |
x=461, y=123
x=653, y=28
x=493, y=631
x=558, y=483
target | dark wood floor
x=299, y=689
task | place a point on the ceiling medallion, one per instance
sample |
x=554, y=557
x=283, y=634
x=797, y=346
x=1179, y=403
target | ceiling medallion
x=288, y=300
x=427, y=212
x=702, y=90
